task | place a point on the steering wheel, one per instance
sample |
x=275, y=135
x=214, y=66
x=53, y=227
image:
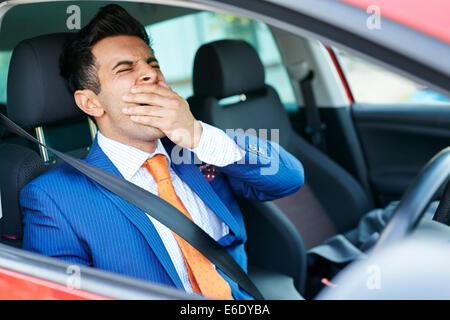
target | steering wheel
x=416, y=199
x=442, y=213
x=358, y=279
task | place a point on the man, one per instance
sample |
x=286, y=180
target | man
x=143, y=125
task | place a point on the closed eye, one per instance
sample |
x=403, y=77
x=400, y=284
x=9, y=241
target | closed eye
x=156, y=66
x=127, y=69
x=153, y=60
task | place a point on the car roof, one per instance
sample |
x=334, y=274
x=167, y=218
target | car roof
x=387, y=42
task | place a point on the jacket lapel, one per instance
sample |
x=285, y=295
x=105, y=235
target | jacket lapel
x=139, y=219
x=192, y=176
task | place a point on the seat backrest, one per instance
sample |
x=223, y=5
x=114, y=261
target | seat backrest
x=37, y=94
x=37, y=97
x=332, y=200
x=8, y=137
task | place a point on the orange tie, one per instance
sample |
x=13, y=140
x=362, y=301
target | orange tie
x=203, y=277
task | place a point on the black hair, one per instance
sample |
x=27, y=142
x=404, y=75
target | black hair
x=77, y=63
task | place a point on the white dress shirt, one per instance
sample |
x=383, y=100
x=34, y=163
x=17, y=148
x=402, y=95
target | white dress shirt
x=215, y=148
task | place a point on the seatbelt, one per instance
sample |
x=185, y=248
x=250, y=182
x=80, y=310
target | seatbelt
x=158, y=209
x=314, y=127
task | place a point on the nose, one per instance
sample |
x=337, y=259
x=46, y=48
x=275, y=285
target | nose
x=147, y=74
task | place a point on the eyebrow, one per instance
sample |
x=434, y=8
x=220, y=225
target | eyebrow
x=128, y=63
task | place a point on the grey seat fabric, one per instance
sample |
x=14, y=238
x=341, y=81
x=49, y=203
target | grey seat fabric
x=331, y=201
x=284, y=252
x=274, y=285
x=34, y=69
x=18, y=166
x=7, y=137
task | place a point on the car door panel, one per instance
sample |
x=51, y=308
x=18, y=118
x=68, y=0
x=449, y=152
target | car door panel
x=398, y=140
x=29, y=276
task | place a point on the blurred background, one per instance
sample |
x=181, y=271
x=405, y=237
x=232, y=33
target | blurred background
x=368, y=83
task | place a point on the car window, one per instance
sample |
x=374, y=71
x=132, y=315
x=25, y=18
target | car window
x=176, y=50
x=370, y=83
x=199, y=28
x=5, y=57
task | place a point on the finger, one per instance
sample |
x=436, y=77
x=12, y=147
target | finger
x=153, y=111
x=146, y=120
x=148, y=98
x=152, y=88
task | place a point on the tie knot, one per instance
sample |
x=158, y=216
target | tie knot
x=158, y=168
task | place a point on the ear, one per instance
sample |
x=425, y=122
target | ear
x=88, y=102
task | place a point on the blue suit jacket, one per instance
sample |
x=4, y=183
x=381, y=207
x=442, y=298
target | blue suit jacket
x=68, y=216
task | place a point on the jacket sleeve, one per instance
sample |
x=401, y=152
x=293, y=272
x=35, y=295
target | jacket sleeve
x=46, y=230
x=266, y=172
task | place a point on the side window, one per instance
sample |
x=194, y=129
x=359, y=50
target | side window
x=373, y=84
x=175, y=49
x=5, y=57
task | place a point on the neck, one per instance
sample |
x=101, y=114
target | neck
x=146, y=146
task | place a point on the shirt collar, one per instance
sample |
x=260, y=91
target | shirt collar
x=127, y=159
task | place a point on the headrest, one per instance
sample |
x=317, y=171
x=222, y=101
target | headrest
x=227, y=67
x=37, y=94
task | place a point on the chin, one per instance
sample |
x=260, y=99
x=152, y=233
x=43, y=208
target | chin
x=149, y=134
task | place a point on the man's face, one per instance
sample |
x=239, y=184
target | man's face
x=123, y=62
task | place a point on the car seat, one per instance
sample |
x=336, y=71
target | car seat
x=331, y=201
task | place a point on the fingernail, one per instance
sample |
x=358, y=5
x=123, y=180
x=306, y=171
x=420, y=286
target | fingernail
x=126, y=97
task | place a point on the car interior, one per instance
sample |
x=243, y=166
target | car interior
x=373, y=151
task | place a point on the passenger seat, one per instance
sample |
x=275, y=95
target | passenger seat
x=331, y=201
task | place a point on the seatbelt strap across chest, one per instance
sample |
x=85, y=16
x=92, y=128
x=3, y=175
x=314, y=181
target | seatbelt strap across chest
x=157, y=208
